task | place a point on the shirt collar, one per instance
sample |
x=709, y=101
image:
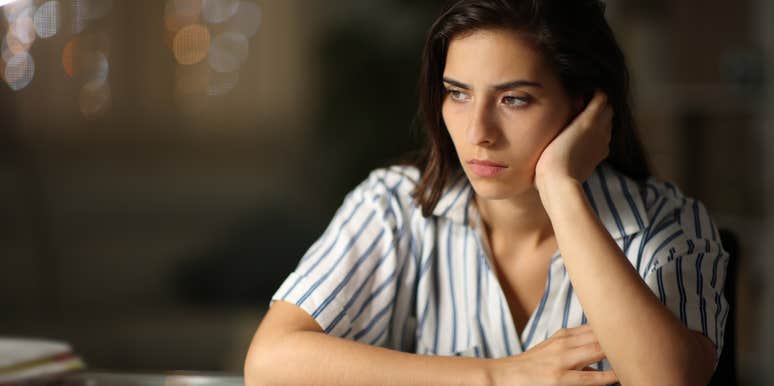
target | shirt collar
x=614, y=197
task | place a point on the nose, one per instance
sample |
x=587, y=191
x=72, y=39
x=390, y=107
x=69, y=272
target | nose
x=482, y=129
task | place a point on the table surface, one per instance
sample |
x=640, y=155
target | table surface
x=172, y=378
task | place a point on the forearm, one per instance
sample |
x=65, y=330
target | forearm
x=632, y=326
x=307, y=357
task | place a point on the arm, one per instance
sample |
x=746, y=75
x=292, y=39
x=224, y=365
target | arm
x=635, y=330
x=290, y=348
x=632, y=326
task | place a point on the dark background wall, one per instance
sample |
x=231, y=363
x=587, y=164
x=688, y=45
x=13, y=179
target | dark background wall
x=151, y=232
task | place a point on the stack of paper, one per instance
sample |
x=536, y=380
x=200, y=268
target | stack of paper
x=26, y=359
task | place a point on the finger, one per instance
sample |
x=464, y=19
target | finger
x=583, y=356
x=606, y=116
x=595, y=107
x=580, y=340
x=582, y=329
x=590, y=378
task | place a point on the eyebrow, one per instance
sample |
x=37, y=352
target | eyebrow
x=499, y=87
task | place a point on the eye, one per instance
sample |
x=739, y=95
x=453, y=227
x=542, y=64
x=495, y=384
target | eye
x=516, y=101
x=457, y=95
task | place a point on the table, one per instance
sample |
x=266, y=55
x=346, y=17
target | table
x=172, y=378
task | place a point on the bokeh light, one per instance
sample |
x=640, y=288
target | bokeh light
x=92, y=65
x=191, y=44
x=218, y=11
x=24, y=29
x=5, y=50
x=67, y=57
x=180, y=13
x=215, y=30
x=13, y=46
x=47, y=19
x=18, y=8
x=247, y=19
x=228, y=51
x=19, y=71
x=94, y=98
x=85, y=57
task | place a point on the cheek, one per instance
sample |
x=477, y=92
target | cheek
x=532, y=128
x=452, y=120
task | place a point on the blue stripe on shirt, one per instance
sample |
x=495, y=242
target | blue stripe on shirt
x=610, y=203
x=539, y=311
x=333, y=243
x=451, y=287
x=700, y=292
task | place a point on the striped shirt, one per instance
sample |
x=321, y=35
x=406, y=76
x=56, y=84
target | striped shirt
x=383, y=274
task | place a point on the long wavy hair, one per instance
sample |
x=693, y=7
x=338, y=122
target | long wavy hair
x=577, y=41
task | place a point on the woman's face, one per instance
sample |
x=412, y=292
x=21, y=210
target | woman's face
x=504, y=104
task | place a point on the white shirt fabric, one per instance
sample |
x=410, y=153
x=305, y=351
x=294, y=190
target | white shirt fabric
x=383, y=274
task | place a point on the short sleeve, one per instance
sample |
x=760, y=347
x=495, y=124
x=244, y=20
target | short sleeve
x=347, y=279
x=687, y=269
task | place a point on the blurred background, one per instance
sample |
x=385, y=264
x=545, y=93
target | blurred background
x=165, y=164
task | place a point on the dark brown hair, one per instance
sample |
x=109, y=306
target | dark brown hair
x=575, y=38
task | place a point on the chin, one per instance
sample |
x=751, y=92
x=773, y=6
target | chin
x=500, y=188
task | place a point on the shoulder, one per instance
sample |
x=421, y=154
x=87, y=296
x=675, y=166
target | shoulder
x=665, y=202
x=679, y=225
x=388, y=183
x=388, y=189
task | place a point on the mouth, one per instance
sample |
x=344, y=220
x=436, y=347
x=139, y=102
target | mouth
x=486, y=168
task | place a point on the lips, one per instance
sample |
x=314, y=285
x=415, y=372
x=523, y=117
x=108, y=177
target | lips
x=485, y=168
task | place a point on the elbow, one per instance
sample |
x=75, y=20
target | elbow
x=692, y=365
x=687, y=363
x=252, y=367
x=258, y=365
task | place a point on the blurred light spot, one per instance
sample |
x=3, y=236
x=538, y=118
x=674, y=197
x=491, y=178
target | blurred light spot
x=247, y=19
x=78, y=16
x=47, y=20
x=95, y=42
x=7, y=53
x=18, y=8
x=191, y=80
x=180, y=13
x=94, y=99
x=191, y=44
x=6, y=2
x=67, y=57
x=24, y=29
x=96, y=9
x=218, y=11
x=228, y=51
x=222, y=82
x=92, y=66
x=14, y=46
x=19, y=71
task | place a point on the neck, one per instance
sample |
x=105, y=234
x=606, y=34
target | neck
x=518, y=222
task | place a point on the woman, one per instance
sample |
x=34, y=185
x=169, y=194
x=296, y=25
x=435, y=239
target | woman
x=528, y=246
